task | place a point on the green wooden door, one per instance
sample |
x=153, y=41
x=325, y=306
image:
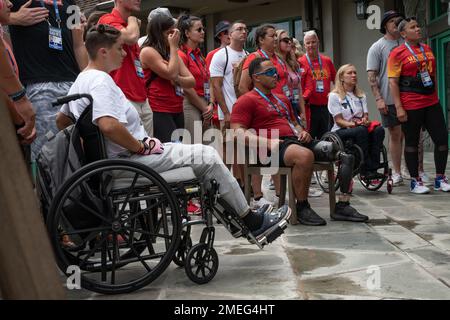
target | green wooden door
x=441, y=46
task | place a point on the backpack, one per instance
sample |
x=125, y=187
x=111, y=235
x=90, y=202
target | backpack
x=57, y=161
x=237, y=72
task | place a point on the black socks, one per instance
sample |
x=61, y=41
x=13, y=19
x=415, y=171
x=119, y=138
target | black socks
x=253, y=220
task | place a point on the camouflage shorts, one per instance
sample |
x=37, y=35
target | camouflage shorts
x=41, y=96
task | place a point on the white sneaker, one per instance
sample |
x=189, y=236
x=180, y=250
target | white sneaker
x=418, y=187
x=397, y=179
x=425, y=179
x=260, y=203
x=315, y=193
x=405, y=173
x=441, y=184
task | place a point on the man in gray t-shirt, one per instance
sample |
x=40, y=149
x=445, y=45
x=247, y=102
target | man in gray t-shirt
x=377, y=59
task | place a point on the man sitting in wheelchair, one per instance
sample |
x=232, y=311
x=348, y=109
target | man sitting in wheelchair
x=348, y=106
x=125, y=136
x=260, y=109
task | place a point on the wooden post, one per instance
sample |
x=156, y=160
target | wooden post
x=27, y=266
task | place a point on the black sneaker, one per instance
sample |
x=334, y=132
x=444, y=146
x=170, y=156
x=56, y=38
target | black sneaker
x=345, y=212
x=273, y=221
x=309, y=217
x=263, y=210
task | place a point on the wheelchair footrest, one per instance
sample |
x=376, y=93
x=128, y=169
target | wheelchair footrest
x=272, y=234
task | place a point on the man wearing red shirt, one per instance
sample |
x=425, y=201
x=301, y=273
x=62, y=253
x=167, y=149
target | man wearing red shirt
x=317, y=74
x=130, y=77
x=271, y=113
x=221, y=36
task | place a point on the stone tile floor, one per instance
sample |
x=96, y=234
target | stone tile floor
x=402, y=253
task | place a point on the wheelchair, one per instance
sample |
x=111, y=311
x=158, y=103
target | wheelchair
x=369, y=183
x=127, y=223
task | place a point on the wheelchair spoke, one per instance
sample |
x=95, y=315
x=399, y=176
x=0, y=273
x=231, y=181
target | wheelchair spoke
x=141, y=212
x=127, y=198
x=93, y=250
x=146, y=266
x=90, y=230
x=89, y=209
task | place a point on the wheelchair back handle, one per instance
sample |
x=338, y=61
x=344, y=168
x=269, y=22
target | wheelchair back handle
x=63, y=100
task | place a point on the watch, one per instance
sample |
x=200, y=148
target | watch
x=18, y=95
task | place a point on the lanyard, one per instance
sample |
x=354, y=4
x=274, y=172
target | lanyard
x=263, y=53
x=350, y=106
x=58, y=17
x=312, y=67
x=205, y=71
x=415, y=55
x=274, y=106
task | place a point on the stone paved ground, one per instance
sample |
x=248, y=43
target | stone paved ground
x=407, y=240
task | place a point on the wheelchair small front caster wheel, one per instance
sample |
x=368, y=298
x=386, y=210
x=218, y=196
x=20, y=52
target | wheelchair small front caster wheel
x=201, y=264
x=390, y=186
x=183, y=249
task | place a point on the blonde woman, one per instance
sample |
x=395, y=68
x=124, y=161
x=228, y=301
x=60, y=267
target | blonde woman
x=347, y=104
x=297, y=48
x=286, y=52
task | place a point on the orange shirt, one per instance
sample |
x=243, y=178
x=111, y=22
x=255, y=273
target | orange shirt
x=403, y=63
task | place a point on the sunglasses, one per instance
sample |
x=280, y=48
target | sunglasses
x=287, y=40
x=241, y=29
x=268, y=73
x=200, y=29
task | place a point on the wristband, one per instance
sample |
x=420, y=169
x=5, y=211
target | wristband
x=18, y=95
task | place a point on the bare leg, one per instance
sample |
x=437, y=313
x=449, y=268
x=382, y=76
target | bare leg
x=256, y=185
x=302, y=162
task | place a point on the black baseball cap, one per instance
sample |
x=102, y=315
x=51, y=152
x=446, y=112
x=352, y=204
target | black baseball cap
x=221, y=27
x=388, y=15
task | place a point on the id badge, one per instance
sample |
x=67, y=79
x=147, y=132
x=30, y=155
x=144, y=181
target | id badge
x=296, y=97
x=286, y=91
x=179, y=91
x=426, y=79
x=320, y=88
x=55, y=38
x=139, y=70
x=207, y=91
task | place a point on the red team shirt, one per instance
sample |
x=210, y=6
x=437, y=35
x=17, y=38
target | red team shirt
x=402, y=63
x=309, y=80
x=126, y=77
x=197, y=66
x=210, y=56
x=253, y=111
x=281, y=69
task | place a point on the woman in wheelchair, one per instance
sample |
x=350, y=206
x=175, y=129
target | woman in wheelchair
x=119, y=123
x=347, y=104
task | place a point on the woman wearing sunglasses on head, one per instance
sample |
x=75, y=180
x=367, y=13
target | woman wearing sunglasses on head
x=198, y=106
x=412, y=81
x=285, y=49
x=166, y=76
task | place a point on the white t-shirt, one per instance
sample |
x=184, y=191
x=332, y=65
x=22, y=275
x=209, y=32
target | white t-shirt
x=217, y=68
x=109, y=101
x=356, y=109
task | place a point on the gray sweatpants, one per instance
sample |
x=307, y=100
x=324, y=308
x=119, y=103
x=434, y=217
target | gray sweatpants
x=207, y=165
x=41, y=96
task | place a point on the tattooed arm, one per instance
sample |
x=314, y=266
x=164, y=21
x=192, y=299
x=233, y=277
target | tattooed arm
x=381, y=105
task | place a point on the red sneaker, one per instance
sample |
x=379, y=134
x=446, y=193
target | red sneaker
x=194, y=209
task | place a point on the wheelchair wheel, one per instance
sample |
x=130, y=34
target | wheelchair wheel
x=124, y=222
x=183, y=249
x=376, y=184
x=321, y=177
x=202, y=263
